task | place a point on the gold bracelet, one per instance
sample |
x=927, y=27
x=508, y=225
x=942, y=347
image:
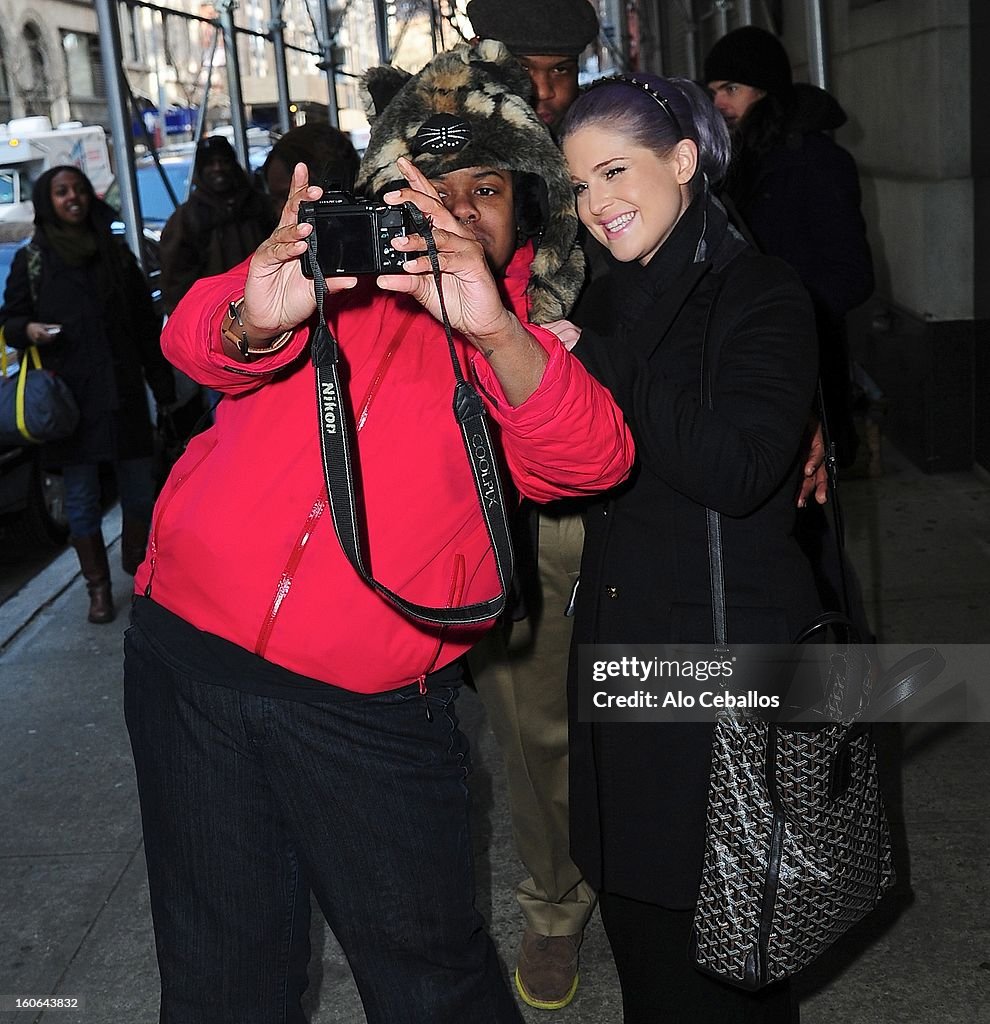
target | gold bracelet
x=239, y=336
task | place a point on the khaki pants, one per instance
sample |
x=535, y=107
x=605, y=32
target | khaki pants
x=522, y=682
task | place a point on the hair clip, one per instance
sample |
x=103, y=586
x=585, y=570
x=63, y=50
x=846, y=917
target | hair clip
x=649, y=90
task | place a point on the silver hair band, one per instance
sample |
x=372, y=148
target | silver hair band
x=649, y=90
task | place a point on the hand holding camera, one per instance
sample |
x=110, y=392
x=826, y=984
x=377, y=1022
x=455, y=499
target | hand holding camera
x=473, y=302
x=276, y=296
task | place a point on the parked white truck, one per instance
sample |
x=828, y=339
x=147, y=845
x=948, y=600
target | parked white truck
x=30, y=145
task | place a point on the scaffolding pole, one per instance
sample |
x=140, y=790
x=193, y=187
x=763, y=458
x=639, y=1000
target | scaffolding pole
x=721, y=12
x=111, y=54
x=817, y=65
x=205, y=104
x=433, y=27
x=381, y=32
x=326, y=64
x=237, y=122
x=276, y=29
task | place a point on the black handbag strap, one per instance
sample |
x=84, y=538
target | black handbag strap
x=827, y=619
x=832, y=478
x=335, y=443
x=905, y=679
x=835, y=621
x=719, y=624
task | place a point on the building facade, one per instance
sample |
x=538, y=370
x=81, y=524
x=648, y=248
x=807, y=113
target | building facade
x=903, y=70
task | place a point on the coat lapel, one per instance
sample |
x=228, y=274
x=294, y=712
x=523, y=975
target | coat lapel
x=662, y=314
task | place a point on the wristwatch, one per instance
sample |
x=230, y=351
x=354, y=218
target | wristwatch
x=232, y=328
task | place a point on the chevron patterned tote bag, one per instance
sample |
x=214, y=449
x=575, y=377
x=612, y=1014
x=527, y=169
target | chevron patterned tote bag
x=797, y=847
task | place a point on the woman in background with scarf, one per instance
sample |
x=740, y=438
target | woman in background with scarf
x=77, y=293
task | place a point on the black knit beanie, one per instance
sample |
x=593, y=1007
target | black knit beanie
x=750, y=56
x=527, y=27
x=213, y=145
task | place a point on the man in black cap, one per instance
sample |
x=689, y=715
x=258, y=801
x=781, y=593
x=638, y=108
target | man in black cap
x=521, y=676
x=547, y=38
x=742, y=68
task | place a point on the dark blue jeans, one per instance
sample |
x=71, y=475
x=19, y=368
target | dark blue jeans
x=246, y=801
x=135, y=484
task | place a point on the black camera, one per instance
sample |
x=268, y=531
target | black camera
x=354, y=236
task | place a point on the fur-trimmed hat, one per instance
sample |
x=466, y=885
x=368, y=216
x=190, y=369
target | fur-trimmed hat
x=554, y=27
x=466, y=108
x=750, y=56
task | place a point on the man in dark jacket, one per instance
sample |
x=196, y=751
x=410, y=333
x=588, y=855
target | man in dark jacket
x=521, y=675
x=797, y=193
x=221, y=223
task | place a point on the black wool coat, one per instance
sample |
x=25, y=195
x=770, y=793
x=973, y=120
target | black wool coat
x=638, y=790
x=108, y=347
x=801, y=201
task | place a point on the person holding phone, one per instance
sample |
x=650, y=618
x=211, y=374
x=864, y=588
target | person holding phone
x=40, y=334
x=76, y=291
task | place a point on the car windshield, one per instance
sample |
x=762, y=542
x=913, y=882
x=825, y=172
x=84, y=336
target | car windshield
x=7, y=250
x=6, y=188
x=156, y=204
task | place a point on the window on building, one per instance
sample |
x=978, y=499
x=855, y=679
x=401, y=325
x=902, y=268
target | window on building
x=131, y=37
x=83, y=65
x=37, y=73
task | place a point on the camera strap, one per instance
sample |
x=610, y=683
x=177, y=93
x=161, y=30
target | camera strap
x=335, y=442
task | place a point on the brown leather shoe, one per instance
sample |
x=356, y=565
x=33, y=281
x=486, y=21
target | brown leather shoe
x=101, y=609
x=547, y=974
x=96, y=571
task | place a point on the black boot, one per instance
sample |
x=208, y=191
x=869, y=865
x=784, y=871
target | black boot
x=96, y=571
x=133, y=544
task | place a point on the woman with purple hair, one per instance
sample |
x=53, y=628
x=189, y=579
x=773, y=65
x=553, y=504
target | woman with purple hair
x=685, y=298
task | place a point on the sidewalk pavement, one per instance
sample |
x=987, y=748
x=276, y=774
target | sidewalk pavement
x=74, y=917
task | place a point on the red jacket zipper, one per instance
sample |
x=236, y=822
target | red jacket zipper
x=160, y=512
x=317, y=509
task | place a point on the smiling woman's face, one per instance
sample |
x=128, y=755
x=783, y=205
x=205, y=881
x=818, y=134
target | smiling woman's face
x=70, y=198
x=627, y=196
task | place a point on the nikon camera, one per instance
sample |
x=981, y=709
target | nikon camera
x=354, y=236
